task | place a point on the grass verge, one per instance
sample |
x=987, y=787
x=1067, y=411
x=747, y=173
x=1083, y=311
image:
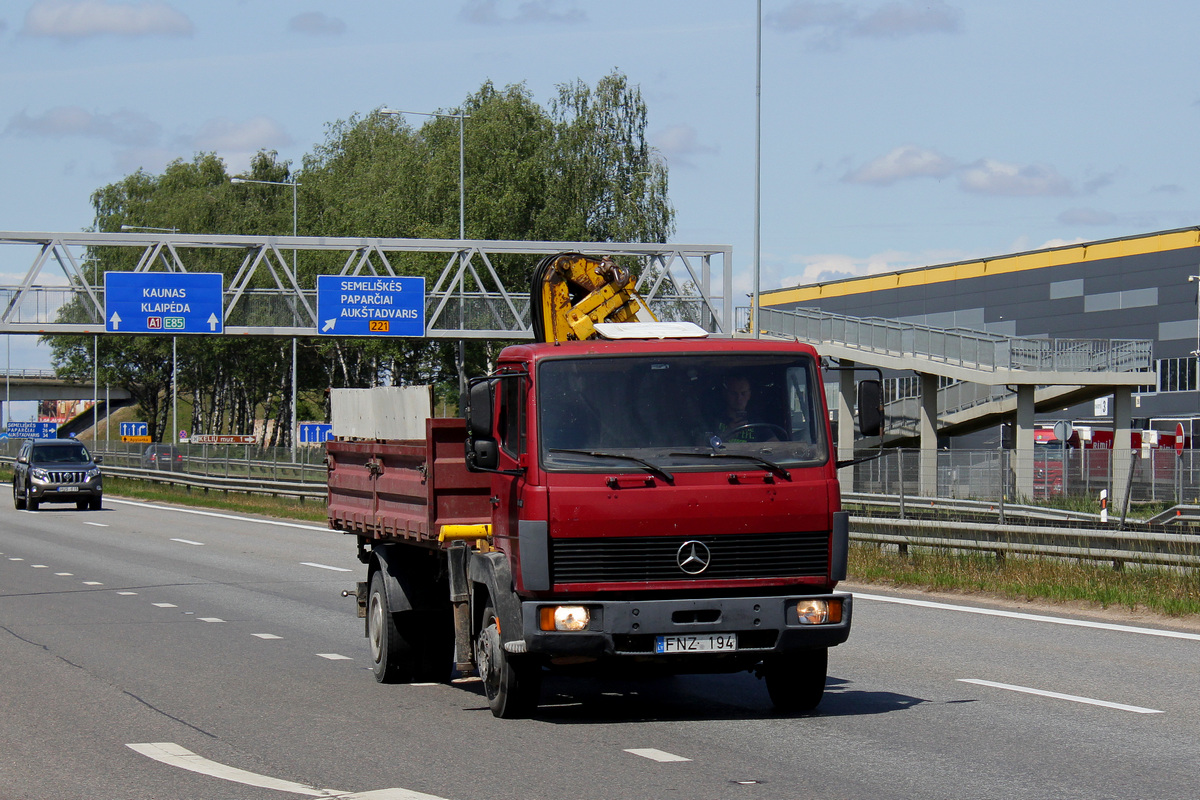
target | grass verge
x=284, y=507
x=1170, y=592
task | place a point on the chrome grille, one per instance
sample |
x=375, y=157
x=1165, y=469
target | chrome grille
x=67, y=477
x=653, y=558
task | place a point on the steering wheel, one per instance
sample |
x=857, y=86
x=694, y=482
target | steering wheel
x=780, y=433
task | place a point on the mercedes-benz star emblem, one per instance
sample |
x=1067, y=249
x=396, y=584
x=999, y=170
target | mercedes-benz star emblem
x=693, y=557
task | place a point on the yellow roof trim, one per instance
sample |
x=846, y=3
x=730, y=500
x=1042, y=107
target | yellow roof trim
x=1021, y=262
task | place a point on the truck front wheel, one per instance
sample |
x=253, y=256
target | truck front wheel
x=796, y=682
x=512, y=687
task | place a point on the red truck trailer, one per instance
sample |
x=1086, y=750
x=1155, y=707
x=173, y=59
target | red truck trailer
x=596, y=513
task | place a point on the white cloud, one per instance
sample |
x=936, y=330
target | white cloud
x=679, y=143
x=500, y=12
x=904, y=162
x=991, y=177
x=316, y=24
x=825, y=267
x=121, y=127
x=79, y=19
x=835, y=20
x=250, y=136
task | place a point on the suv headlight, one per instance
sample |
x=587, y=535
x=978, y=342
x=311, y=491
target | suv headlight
x=92, y=473
x=39, y=474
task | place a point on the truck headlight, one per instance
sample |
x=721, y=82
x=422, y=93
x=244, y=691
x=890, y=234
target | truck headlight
x=564, y=618
x=819, y=612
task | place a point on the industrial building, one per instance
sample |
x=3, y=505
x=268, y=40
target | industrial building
x=1138, y=287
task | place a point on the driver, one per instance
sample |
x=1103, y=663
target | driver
x=734, y=424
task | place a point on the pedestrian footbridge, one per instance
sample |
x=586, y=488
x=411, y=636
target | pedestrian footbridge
x=972, y=380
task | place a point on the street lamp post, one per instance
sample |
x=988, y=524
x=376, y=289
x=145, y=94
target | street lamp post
x=295, y=220
x=462, y=222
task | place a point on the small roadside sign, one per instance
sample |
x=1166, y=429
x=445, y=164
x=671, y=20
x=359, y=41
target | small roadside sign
x=135, y=429
x=223, y=438
x=1179, y=438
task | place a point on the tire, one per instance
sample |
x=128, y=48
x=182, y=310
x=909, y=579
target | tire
x=18, y=499
x=95, y=504
x=797, y=682
x=80, y=505
x=391, y=658
x=512, y=687
x=30, y=502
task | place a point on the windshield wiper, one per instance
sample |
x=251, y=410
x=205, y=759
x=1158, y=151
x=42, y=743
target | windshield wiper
x=652, y=467
x=778, y=469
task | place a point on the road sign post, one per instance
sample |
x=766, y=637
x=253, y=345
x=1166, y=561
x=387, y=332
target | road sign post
x=163, y=302
x=352, y=305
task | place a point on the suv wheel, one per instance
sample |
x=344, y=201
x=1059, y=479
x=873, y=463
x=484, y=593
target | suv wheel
x=31, y=502
x=18, y=500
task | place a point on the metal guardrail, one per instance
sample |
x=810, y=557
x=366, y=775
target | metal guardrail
x=1092, y=544
x=303, y=491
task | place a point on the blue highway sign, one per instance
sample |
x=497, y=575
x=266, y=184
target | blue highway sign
x=163, y=302
x=32, y=430
x=315, y=432
x=135, y=429
x=349, y=305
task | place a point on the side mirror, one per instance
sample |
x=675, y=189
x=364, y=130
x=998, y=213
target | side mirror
x=870, y=408
x=97, y=459
x=22, y=459
x=487, y=455
x=479, y=410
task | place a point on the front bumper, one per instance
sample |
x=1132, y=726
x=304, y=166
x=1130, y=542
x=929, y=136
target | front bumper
x=52, y=492
x=765, y=626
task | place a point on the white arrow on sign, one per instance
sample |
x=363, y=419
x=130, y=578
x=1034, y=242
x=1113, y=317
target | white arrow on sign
x=212, y=321
x=116, y=321
x=329, y=323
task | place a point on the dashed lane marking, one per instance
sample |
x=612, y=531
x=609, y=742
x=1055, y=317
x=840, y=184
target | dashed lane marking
x=335, y=656
x=266, y=636
x=96, y=524
x=210, y=619
x=189, y=541
x=92, y=583
x=39, y=566
x=165, y=605
x=126, y=594
x=65, y=574
x=1058, y=696
x=324, y=566
x=660, y=756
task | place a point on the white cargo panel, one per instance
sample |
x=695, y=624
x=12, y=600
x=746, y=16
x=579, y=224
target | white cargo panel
x=386, y=412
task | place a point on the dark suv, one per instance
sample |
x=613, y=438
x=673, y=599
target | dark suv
x=56, y=471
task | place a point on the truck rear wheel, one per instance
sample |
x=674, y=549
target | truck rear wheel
x=390, y=654
x=512, y=687
x=796, y=682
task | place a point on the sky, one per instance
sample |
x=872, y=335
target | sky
x=894, y=134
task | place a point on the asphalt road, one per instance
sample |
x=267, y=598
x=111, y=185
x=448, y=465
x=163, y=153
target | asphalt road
x=149, y=652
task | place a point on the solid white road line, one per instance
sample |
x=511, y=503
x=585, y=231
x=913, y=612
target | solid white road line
x=992, y=612
x=1057, y=696
x=233, y=517
x=324, y=566
x=176, y=756
x=173, y=755
x=656, y=755
x=188, y=541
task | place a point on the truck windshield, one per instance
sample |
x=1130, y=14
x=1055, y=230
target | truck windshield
x=677, y=411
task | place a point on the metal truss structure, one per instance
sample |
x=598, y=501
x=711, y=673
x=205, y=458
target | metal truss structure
x=273, y=291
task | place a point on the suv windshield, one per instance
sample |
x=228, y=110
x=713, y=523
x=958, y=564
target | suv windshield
x=678, y=411
x=60, y=454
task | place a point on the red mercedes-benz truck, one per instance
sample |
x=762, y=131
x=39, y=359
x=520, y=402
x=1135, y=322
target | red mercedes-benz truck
x=645, y=505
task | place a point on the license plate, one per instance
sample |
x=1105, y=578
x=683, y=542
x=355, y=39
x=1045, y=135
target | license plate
x=705, y=643
x=68, y=488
